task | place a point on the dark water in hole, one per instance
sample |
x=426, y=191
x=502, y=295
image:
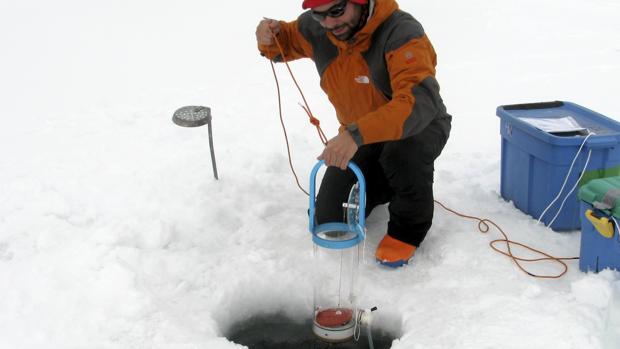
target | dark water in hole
x=280, y=332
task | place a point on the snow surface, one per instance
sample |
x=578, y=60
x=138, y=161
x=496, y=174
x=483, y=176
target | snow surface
x=114, y=234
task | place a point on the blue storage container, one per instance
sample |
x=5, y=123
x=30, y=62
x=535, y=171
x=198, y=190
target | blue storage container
x=600, y=212
x=535, y=163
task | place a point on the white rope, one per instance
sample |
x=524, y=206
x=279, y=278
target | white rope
x=573, y=189
x=340, y=279
x=566, y=180
x=357, y=330
x=365, y=231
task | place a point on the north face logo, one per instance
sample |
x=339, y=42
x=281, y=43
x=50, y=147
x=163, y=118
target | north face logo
x=409, y=58
x=362, y=79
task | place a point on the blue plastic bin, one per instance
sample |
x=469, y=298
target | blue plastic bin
x=535, y=163
x=600, y=212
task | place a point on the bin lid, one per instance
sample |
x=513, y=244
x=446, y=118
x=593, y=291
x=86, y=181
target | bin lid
x=603, y=194
x=604, y=129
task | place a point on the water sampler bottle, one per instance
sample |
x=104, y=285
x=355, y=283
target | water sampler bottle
x=336, y=263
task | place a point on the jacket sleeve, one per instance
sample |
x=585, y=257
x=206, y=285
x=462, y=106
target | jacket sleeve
x=293, y=44
x=415, y=99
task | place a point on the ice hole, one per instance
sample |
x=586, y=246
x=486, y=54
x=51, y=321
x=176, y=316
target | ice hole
x=278, y=331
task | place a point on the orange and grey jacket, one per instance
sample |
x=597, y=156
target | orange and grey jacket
x=381, y=82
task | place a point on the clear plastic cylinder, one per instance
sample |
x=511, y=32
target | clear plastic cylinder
x=335, y=279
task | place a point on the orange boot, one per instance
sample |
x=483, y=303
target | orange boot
x=394, y=253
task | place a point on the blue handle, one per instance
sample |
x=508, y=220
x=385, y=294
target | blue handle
x=359, y=229
x=601, y=142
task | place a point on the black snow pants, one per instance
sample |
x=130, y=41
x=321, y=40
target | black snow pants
x=399, y=172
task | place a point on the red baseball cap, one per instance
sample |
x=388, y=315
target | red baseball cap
x=314, y=3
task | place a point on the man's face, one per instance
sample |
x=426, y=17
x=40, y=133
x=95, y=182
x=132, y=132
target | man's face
x=341, y=25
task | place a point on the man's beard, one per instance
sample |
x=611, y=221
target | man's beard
x=345, y=35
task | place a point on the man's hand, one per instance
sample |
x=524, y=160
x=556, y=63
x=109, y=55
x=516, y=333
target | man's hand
x=265, y=29
x=339, y=150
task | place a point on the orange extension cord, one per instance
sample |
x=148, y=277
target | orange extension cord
x=483, y=223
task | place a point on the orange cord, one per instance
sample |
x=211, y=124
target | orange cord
x=314, y=121
x=288, y=147
x=483, y=223
x=483, y=227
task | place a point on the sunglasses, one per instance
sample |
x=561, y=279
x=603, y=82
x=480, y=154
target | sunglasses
x=334, y=12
